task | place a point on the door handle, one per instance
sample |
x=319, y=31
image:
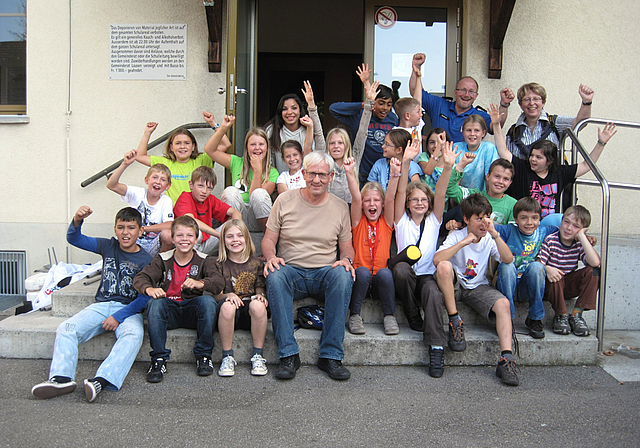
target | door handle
x=221, y=90
x=239, y=90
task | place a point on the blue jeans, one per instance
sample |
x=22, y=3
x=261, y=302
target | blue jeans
x=529, y=287
x=292, y=283
x=87, y=324
x=200, y=313
x=381, y=288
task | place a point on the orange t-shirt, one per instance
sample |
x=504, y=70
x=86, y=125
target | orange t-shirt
x=372, y=243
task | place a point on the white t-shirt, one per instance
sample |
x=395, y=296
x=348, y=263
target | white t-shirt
x=136, y=197
x=292, y=181
x=408, y=232
x=471, y=262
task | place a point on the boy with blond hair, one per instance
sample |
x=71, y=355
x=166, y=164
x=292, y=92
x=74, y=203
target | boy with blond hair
x=154, y=206
x=203, y=206
x=560, y=254
x=179, y=286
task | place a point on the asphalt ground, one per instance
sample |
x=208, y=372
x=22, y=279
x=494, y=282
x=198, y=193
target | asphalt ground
x=378, y=406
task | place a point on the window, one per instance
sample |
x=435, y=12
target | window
x=13, y=57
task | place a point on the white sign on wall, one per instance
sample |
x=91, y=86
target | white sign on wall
x=148, y=51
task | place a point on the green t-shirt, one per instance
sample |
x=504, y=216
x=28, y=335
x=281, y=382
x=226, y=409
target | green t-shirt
x=236, y=171
x=502, y=208
x=181, y=173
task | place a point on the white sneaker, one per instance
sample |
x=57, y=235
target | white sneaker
x=228, y=366
x=258, y=365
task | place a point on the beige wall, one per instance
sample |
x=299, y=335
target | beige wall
x=107, y=117
x=560, y=45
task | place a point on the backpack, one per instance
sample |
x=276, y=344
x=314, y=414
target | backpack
x=516, y=133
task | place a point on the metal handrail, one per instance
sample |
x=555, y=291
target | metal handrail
x=153, y=144
x=606, y=205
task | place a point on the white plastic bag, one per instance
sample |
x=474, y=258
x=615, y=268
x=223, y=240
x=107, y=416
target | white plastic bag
x=57, y=273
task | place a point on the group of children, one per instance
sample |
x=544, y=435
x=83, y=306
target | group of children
x=162, y=264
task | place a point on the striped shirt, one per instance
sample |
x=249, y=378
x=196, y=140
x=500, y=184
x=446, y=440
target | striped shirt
x=562, y=122
x=565, y=258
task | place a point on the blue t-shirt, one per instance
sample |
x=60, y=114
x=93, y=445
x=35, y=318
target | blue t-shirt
x=350, y=114
x=524, y=247
x=443, y=115
x=381, y=172
x=474, y=174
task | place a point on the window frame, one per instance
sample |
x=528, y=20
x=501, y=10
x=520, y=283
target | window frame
x=15, y=113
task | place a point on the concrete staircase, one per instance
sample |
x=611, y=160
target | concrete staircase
x=32, y=336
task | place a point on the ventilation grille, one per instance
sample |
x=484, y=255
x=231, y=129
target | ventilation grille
x=13, y=273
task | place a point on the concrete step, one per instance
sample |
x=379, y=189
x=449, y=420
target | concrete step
x=70, y=300
x=33, y=335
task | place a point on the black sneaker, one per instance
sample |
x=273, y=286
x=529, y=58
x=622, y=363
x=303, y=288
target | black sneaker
x=287, y=368
x=204, y=366
x=156, y=372
x=561, y=324
x=436, y=362
x=506, y=371
x=91, y=389
x=416, y=323
x=52, y=388
x=536, y=329
x=578, y=326
x=457, y=343
x=334, y=368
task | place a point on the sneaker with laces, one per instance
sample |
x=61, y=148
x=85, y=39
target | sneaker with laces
x=390, y=325
x=436, y=362
x=334, y=369
x=204, y=366
x=536, y=328
x=457, y=343
x=578, y=326
x=227, y=367
x=156, y=371
x=561, y=324
x=52, y=388
x=258, y=365
x=91, y=389
x=288, y=366
x=506, y=371
x=356, y=326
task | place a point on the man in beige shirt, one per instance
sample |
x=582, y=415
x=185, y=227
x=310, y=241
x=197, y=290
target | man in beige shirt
x=310, y=225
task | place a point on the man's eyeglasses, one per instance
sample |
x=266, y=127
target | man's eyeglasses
x=322, y=176
x=465, y=91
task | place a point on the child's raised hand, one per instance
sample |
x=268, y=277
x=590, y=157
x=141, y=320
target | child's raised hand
x=467, y=158
x=411, y=151
x=130, y=157
x=349, y=165
x=586, y=93
x=608, y=132
x=582, y=233
x=307, y=91
x=150, y=127
x=453, y=225
x=494, y=113
x=373, y=91
x=228, y=121
x=470, y=239
x=82, y=213
x=364, y=73
x=488, y=224
x=449, y=156
x=255, y=160
x=307, y=122
x=209, y=118
x=506, y=96
x=395, y=166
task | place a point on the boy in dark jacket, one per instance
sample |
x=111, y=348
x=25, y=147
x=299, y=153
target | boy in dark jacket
x=180, y=284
